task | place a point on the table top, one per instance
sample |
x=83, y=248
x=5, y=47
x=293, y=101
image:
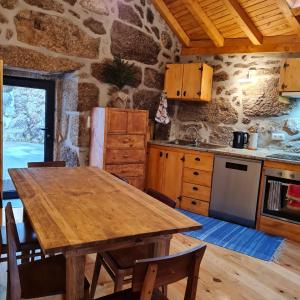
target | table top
x=73, y=208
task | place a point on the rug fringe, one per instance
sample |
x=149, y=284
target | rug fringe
x=277, y=253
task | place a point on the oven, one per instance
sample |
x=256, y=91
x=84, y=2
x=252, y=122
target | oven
x=281, y=198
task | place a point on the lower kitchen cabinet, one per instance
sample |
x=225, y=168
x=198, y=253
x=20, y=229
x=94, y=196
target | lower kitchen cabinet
x=193, y=205
x=183, y=175
x=164, y=173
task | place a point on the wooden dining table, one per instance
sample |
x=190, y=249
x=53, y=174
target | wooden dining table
x=78, y=211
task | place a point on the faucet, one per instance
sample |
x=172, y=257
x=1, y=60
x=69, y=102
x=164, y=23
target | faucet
x=197, y=136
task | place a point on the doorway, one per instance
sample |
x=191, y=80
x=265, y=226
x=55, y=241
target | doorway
x=28, y=125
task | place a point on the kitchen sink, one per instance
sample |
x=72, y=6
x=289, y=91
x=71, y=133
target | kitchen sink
x=195, y=144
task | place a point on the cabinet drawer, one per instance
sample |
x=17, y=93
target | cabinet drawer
x=201, y=161
x=197, y=176
x=125, y=141
x=124, y=156
x=126, y=170
x=195, y=206
x=196, y=191
x=138, y=182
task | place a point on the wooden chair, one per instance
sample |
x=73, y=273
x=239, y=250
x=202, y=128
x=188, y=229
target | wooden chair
x=46, y=164
x=36, y=279
x=151, y=274
x=28, y=243
x=119, y=263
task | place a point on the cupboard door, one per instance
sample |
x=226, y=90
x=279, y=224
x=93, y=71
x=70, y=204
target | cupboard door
x=124, y=156
x=130, y=170
x=138, y=182
x=191, y=83
x=289, y=76
x=206, y=83
x=197, y=176
x=173, y=81
x=195, y=206
x=155, y=168
x=137, y=122
x=124, y=141
x=196, y=191
x=117, y=121
x=173, y=175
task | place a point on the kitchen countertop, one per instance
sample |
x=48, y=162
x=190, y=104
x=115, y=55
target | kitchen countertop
x=259, y=154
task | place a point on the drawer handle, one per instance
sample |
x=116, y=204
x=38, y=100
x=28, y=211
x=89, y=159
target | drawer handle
x=195, y=188
x=194, y=202
x=196, y=173
x=126, y=141
x=125, y=156
x=197, y=158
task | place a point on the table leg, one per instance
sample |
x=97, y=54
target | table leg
x=75, y=277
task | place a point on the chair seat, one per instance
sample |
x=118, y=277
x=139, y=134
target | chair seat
x=46, y=277
x=129, y=295
x=125, y=258
x=27, y=237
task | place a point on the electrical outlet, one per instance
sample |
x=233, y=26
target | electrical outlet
x=278, y=136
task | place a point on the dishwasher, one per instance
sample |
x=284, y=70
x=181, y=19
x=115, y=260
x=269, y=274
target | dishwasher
x=235, y=189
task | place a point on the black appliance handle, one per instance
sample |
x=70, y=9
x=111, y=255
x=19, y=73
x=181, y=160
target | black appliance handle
x=235, y=166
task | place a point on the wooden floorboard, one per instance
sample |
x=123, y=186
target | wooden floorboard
x=224, y=274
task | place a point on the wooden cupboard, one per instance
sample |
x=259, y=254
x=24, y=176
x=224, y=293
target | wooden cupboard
x=118, y=142
x=183, y=175
x=192, y=82
x=289, y=75
x=164, y=171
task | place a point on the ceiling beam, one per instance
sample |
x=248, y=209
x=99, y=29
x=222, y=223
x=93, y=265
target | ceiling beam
x=172, y=22
x=244, y=21
x=285, y=9
x=276, y=44
x=196, y=10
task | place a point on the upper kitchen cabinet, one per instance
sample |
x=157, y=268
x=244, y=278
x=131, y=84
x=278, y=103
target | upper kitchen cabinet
x=289, y=75
x=191, y=82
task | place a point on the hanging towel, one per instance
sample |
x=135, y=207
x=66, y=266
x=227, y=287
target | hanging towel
x=293, y=192
x=274, y=199
x=162, y=112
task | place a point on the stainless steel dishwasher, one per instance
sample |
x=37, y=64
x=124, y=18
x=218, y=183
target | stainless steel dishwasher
x=235, y=190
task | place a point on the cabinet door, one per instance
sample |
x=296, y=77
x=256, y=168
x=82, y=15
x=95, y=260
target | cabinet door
x=137, y=122
x=206, y=83
x=173, y=175
x=173, y=81
x=117, y=121
x=155, y=169
x=289, y=76
x=191, y=84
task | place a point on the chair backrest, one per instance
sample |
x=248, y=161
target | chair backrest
x=45, y=164
x=161, y=197
x=120, y=177
x=156, y=272
x=13, y=278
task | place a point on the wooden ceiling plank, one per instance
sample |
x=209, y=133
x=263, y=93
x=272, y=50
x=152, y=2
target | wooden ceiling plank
x=244, y=21
x=170, y=19
x=285, y=9
x=211, y=30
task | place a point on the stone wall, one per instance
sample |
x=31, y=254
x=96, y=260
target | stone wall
x=240, y=104
x=71, y=39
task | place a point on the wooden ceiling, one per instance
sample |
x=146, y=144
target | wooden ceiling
x=233, y=26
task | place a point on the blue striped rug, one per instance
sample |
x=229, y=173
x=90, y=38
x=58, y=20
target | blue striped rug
x=235, y=237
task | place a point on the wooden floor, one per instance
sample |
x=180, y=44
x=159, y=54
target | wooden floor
x=224, y=275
